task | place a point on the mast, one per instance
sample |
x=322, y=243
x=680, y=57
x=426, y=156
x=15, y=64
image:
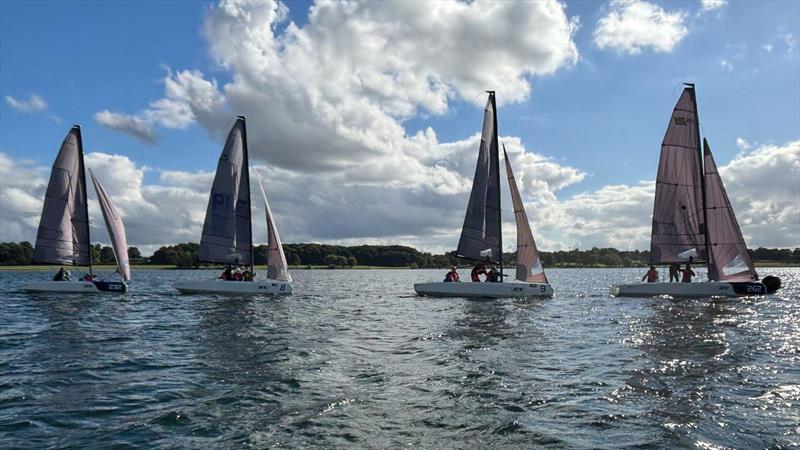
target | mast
x=249, y=206
x=702, y=175
x=82, y=176
x=496, y=168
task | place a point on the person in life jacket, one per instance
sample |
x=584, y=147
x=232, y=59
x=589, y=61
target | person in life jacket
x=651, y=275
x=452, y=276
x=688, y=273
x=61, y=275
x=226, y=274
x=479, y=269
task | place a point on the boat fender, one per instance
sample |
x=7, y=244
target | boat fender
x=772, y=283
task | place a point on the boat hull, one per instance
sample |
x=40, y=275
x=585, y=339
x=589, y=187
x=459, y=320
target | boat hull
x=77, y=286
x=268, y=287
x=484, y=290
x=702, y=289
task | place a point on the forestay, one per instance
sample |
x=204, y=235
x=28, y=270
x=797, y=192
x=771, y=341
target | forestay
x=277, y=269
x=729, y=260
x=116, y=230
x=63, y=235
x=226, y=235
x=678, y=211
x=529, y=266
x=480, y=236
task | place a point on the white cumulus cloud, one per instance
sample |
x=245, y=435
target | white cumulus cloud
x=711, y=5
x=632, y=26
x=34, y=103
x=135, y=126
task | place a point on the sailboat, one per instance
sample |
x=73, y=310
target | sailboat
x=693, y=220
x=63, y=234
x=228, y=231
x=482, y=236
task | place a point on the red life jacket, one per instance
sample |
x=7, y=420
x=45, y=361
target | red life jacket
x=478, y=270
x=652, y=276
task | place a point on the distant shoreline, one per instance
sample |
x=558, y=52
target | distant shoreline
x=145, y=267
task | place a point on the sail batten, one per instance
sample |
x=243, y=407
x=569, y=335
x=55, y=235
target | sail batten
x=115, y=228
x=678, y=226
x=728, y=256
x=529, y=265
x=227, y=236
x=63, y=233
x=277, y=268
x=481, y=233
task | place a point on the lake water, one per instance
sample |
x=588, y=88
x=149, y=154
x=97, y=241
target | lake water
x=355, y=359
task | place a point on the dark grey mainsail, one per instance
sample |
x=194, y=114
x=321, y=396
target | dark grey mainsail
x=227, y=232
x=728, y=260
x=678, y=224
x=63, y=235
x=481, y=234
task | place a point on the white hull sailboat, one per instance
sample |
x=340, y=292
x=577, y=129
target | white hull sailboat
x=227, y=232
x=63, y=234
x=693, y=220
x=481, y=236
x=698, y=289
x=484, y=290
x=234, y=287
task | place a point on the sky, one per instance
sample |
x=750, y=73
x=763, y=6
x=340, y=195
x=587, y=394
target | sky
x=364, y=118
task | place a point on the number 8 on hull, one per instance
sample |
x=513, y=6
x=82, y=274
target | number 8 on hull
x=228, y=231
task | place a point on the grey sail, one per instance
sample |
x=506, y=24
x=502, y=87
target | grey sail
x=227, y=236
x=277, y=269
x=728, y=258
x=480, y=235
x=529, y=266
x=115, y=228
x=678, y=226
x=63, y=235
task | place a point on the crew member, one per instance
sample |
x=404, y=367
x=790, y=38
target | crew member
x=479, y=269
x=674, y=272
x=688, y=273
x=651, y=275
x=452, y=276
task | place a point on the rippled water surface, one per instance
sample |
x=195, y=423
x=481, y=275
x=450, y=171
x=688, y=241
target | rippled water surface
x=354, y=359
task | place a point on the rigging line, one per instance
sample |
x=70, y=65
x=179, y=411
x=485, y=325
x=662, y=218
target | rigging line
x=476, y=97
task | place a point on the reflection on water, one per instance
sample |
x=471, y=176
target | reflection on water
x=354, y=359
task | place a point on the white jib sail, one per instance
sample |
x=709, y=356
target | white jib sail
x=116, y=230
x=277, y=269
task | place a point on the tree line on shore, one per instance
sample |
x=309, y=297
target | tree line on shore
x=185, y=256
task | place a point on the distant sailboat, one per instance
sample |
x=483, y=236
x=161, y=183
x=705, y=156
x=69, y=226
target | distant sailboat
x=228, y=233
x=693, y=218
x=481, y=236
x=63, y=234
